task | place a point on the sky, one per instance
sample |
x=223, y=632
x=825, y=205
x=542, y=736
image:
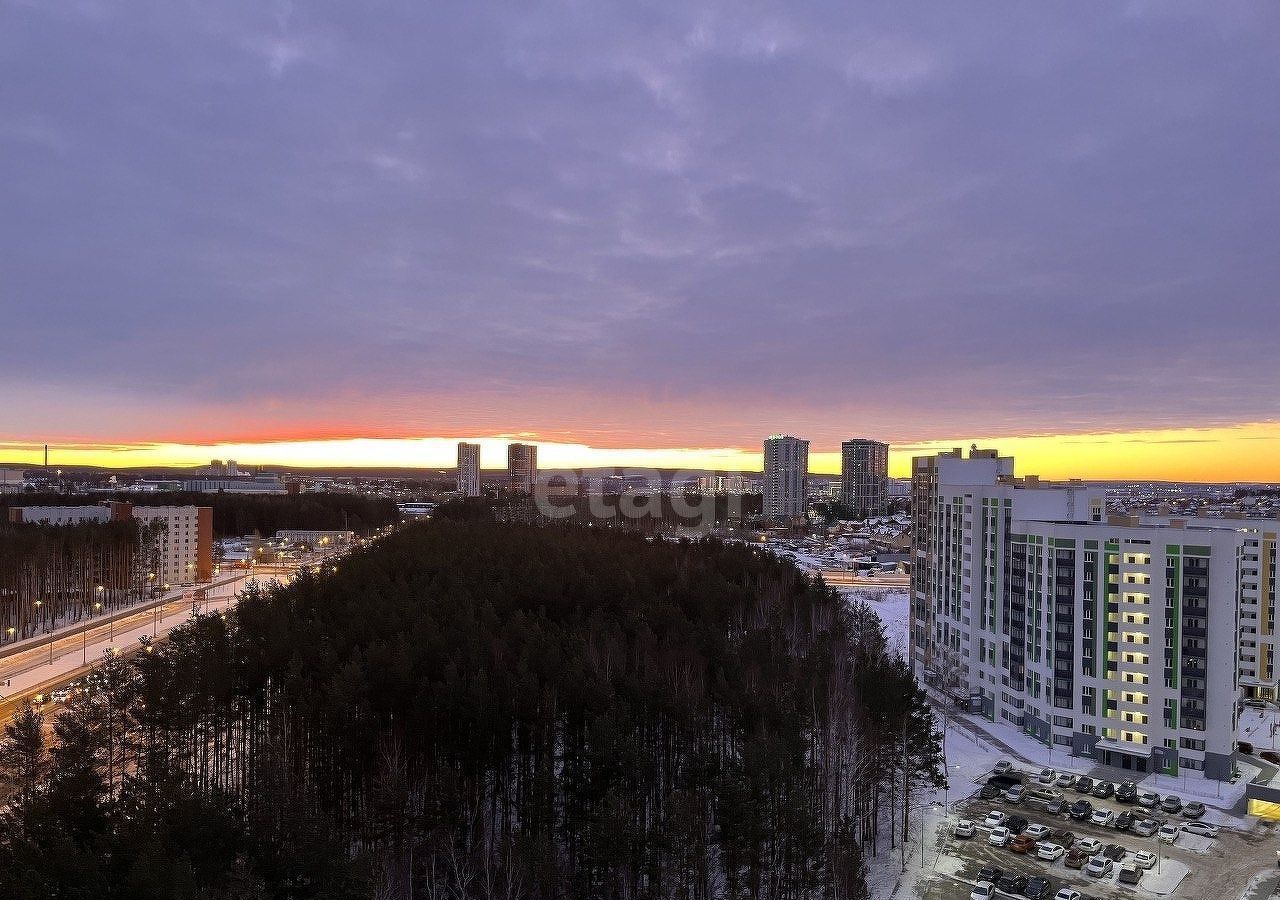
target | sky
x=331, y=233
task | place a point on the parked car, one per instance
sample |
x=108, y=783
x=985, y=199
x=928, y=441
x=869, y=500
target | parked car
x=1171, y=804
x=1037, y=888
x=1148, y=799
x=1168, y=833
x=999, y=836
x=1012, y=883
x=1201, y=828
x=964, y=829
x=1126, y=792
x=1101, y=817
x=990, y=873
x=1129, y=875
x=1062, y=837
x=1104, y=789
x=1067, y=894
x=994, y=818
x=1084, y=784
x=1047, y=776
x=1036, y=831
x=1193, y=810
x=1056, y=807
x=1145, y=827
x=1081, y=809
x=1016, y=824
x=1114, y=852
x=1089, y=845
x=1049, y=851
x=983, y=890
x=1022, y=844
x=1003, y=767
x=1014, y=794
x=1124, y=821
x=1098, y=867
x=1144, y=859
x=1075, y=858
x=989, y=792
x=1065, y=780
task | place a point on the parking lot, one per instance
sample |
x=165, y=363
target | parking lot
x=1193, y=866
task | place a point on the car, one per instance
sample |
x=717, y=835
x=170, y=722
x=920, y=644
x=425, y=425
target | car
x=1193, y=810
x=1114, y=852
x=999, y=836
x=1062, y=837
x=1014, y=794
x=1081, y=809
x=1056, y=807
x=1148, y=799
x=989, y=792
x=1201, y=828
x=1098, y=867
x=1075, y=858
x=1126, y=792
x=1067, y=894
x=1144, y=859
x=1089, y=845
x=994, y=818
x=964, y=829
x=1003, y=767
x=1022, y=844
x=1015, y=824
x=1049, y=851
x=983, y=890
x=990, y=873
x=1168, y=833
x=60, y=696
x=1129, y=875
x=1171, y=804
x=1047, y=776
x=1084, y=784
x=1036, y=831
x=1037, y=888
x=1065, y=780
x=1101, y=817
x=1124, y=821
x=1145, y=827
x=1012, y=883
x=1103, y=790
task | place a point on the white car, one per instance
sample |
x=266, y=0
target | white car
x=1047, y=776
x=964, y=829
x=1036, y=831
x=1144, y=859
x=1003, y=766
x=1067, y=894
x=1168, y=833
x=1102, y=817
x=1066, y=779
x=1049, y=851
x=999, y=836
x=1201, y=828
x=1098, y=867
x=983, y=890
x=1014, y=794
x=994, y=818
x=1088, y=845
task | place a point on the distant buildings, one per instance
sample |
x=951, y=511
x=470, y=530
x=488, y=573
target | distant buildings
x=12, y=481
x=469, y=469
x=864, y=475
x=786, y=463
x=522, y=467
x=316, y=538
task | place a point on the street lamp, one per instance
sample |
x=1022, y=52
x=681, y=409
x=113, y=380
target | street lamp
x=933, y=804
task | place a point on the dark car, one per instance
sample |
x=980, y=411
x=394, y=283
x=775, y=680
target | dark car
x=1103, y=789
x=1012, y=883
x=1114, y=852
x=1016, y=824
x=1075, y=859
x=1081, y=809
x=1129, y=875
x=1127, y=792
x=1037, y=888
x=1171, y=804
x=1056, y=807
x=990, y=873
x=1062, y=838
x=990, y=792
x=1083, y=784
x=1193, y=810
x=1125, y=821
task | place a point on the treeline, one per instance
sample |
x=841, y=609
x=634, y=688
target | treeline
x=241, y=514
x=469, y=709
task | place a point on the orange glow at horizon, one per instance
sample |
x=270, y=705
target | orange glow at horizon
x=1249, y=452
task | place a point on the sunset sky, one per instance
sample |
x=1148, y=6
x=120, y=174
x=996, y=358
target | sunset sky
x=641, y=234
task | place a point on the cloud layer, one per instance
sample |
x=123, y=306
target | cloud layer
x=672, y=225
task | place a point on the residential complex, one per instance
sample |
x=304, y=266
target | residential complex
x=1108, y=637
x=468, y=469
x=864, y=477
x=522, y=467
x=786, y=463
